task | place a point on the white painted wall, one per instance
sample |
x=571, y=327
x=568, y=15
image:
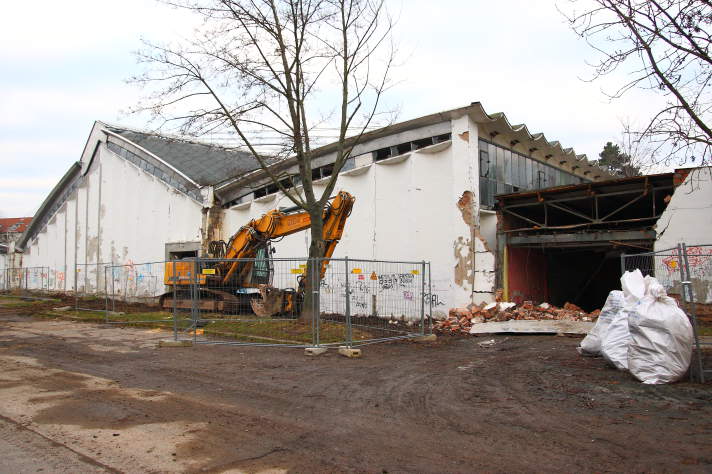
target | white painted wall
x=405, y=210
x=688, y=216
x=119, y=215
x=688, y=219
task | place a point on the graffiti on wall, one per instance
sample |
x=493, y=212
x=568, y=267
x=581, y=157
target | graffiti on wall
x=143, y=280
x=374, y=291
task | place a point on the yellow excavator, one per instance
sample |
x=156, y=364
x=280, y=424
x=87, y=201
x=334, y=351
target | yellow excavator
x=226, y=284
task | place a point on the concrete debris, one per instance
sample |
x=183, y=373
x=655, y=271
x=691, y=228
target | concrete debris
x=461, y=320
x=521, y=326
x=491, y=342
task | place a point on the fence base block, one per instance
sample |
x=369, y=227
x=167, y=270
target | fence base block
x=314, y=351
x=427, y=338
x=349, y=352
x=172, y=343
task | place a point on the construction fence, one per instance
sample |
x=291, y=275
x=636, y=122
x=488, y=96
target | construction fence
x=686, y=273
x=342, y=302
x=25, y=281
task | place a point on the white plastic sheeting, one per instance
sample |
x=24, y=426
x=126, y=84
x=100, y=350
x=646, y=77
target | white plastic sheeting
x=661, y=338
x=642, y=330
x=591, y=344
x=614, y=343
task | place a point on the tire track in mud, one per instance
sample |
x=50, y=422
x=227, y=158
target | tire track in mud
x=453, y=406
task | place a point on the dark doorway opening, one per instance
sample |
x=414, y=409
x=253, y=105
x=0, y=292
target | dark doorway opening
x=583, y=277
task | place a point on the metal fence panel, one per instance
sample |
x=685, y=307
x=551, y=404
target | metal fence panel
x=264, y=301
x=28, y=282
x=375, y=300
x=260, y=306
x=90, y=286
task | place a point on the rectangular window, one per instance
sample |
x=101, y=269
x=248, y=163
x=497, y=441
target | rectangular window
x=422, y=143
x=492, y=152
x=507, y=168
x=501, y=157
x=522, y=172
x=381, y=154
x=484, y=163
x=529, y=176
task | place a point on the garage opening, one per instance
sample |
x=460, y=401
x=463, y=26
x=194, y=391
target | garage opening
x=564, y=244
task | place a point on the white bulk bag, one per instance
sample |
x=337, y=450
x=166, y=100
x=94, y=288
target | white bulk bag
x=614, y=343
x=591, y=344
x=661, y=338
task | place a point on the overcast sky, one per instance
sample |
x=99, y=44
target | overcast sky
x=63, y=65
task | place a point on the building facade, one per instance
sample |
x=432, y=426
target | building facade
x=424, y=191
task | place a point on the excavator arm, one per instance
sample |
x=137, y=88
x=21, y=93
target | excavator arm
x=275, y=224
x=240, y=254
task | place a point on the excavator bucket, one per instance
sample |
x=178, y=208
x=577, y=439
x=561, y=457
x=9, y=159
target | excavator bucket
x=270, y=302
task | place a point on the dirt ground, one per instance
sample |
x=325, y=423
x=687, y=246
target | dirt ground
x=109, y=399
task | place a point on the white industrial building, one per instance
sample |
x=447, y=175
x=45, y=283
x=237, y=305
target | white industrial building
x=424, y=191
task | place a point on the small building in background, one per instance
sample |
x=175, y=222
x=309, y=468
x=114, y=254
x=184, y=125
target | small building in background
x=11, y=228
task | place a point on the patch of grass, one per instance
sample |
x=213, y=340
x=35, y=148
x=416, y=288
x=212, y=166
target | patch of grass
x=277, y=331
x=19, y=302
x=248, y=328
x=156, y=319
x=705, y=330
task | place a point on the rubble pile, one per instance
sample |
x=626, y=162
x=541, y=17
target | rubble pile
x=460, y=320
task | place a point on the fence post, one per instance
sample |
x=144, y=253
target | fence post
x=430, y=297
x=175, y=310
x=315, y=297
x=686, y=282
x=194, y=298
x=422, y=299
x=347, y=294
x=76, y=291
x=106, y=296
x=113, y=288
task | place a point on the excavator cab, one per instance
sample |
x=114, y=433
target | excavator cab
x=263, y=268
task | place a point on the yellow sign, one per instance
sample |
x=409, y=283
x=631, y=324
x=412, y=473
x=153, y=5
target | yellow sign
x=356, y=271
x=208, y=271
x=374, y=276
x=415, y=272
x=297, y=271
x=301, y=265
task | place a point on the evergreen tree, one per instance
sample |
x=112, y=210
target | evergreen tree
x=616, y=162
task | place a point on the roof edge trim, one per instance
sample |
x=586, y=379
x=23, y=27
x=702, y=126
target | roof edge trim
x=74, y=170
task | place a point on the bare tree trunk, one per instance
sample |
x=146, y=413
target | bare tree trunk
x=313, y=271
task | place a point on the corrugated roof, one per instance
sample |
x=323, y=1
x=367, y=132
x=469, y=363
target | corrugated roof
x=14, y=224
x=203, y=163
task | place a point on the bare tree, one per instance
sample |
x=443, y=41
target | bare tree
x=282, y=67
x=638, y=149
x=664, y=46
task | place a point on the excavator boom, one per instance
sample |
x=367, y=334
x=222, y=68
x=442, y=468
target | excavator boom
x=276, y=224
x=240, y=253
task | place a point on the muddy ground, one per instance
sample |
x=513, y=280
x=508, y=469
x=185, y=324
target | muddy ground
x=114, y=401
